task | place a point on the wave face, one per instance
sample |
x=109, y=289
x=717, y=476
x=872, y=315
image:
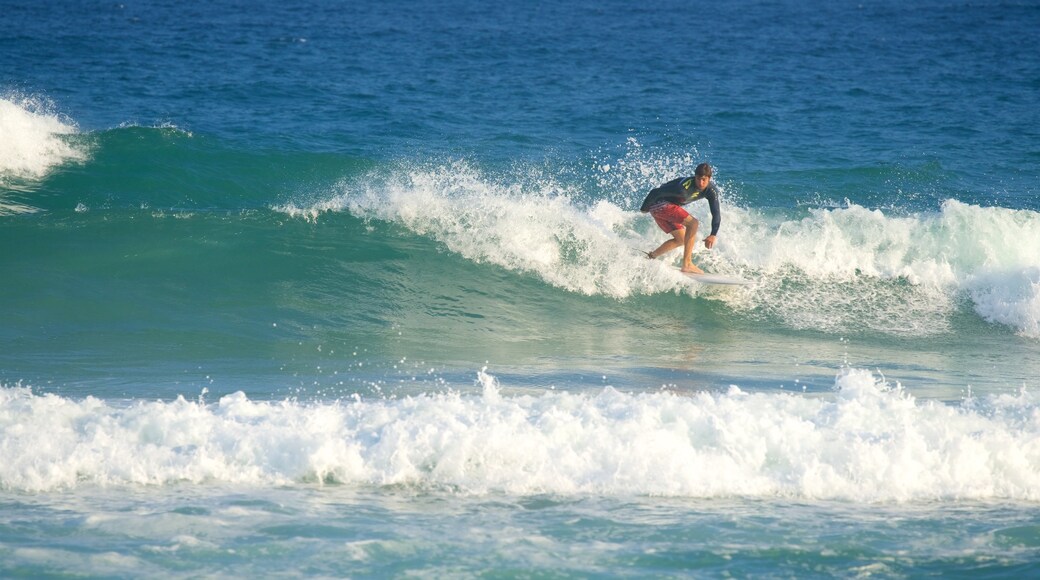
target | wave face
x=159, y=248
x=835, y=268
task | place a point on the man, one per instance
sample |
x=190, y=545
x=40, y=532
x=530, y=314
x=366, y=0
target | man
x=664, y=204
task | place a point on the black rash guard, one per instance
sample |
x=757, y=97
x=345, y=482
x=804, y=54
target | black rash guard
x=681, y=192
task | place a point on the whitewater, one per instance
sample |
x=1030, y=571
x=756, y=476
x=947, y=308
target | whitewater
x=910, y=266
x=867, y=442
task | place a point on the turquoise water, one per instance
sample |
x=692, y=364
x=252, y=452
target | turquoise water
x=356, y=290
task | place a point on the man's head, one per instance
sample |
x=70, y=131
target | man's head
x=702, y=176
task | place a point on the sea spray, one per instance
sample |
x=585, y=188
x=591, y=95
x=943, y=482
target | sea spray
x=32, y=140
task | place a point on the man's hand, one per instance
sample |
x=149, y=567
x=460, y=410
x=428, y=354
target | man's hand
x=709, y=242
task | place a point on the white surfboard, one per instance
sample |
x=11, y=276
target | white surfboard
x=720, y=279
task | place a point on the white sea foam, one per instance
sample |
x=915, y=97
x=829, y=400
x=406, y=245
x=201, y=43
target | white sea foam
x=32, y=140
x=527, y=223
x=867, y=441
x=836, y=268
x=896, y=272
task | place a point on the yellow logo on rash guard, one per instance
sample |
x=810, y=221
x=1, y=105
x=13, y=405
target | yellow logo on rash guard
x=686, y=184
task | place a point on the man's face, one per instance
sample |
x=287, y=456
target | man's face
x=701, y=182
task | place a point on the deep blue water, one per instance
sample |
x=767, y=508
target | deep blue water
x=354, y=289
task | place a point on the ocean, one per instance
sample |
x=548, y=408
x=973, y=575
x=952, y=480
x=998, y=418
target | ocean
x=356, y=289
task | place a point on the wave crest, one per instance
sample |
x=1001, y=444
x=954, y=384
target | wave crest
x=33, y=141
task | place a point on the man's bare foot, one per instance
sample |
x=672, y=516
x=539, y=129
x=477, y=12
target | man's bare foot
x=691, y=269
x=650, y=255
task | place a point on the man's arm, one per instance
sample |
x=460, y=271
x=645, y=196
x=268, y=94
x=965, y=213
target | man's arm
x=648, y=201
x=716, y=216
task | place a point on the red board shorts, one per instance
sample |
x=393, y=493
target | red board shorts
x=669, y=216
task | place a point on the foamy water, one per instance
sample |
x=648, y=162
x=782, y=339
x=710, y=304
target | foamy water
x=866, y=441
x=836, y=269
x=31, y=140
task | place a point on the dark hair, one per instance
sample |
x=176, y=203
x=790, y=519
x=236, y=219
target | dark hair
x=703, y=170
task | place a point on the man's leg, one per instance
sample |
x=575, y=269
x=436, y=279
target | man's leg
x=678, y=239
x=689, y=240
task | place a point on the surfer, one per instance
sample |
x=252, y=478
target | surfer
x=664, y=204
